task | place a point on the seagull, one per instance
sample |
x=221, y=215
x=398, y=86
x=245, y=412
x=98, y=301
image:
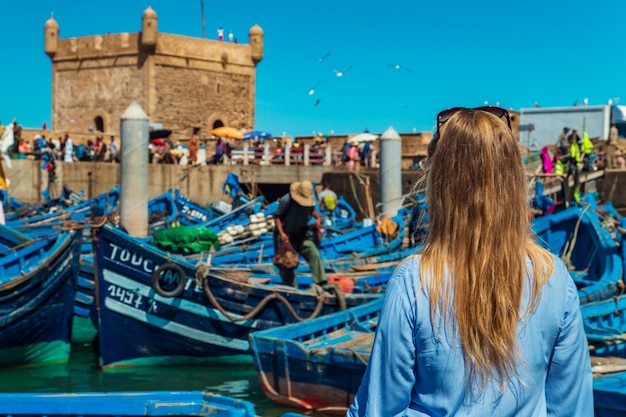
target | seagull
x=312, y=90
x=341, y=73
x=398, y=67
x=322, y=58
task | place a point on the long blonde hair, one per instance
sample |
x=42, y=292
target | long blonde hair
x=474, y=258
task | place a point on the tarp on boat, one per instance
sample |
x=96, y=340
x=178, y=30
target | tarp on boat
x=186, y=239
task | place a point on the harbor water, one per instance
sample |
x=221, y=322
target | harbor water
x=82, y=374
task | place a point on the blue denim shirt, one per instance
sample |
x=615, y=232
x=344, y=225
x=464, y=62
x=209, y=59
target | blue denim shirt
x=414, y=371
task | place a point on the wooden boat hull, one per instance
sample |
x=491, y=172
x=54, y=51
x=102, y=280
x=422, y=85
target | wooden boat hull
x=36, y=301
x=138, y=326
x=317, y=365
x=605, y=327
x=609, y=395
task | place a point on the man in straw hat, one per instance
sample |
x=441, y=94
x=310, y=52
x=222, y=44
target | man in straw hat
x=292, y=223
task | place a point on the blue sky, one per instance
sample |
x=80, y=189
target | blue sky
x=460, y=53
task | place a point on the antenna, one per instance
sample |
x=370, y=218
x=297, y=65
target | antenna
x=203, y=21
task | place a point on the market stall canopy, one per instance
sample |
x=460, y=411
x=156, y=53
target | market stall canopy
x=256, y=135
x=363, y=137
x=227, y=132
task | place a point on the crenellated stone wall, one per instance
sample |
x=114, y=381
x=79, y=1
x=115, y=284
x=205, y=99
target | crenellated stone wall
x=182, y=82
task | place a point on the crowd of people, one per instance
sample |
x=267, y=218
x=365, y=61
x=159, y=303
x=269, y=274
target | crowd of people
x=64, y=149
x=165, y=150
x=356, y=153
x=575, y=153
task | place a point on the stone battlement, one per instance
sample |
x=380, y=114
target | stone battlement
x=187, y=84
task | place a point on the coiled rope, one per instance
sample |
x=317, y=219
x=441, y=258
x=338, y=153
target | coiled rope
x=202, y=276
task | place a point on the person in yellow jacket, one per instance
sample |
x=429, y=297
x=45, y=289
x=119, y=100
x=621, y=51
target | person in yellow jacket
x=574, y=163
x=586, y=147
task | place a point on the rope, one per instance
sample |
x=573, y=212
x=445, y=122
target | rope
x=202, y=271
x=359, y=356
x=341, y=297
x=68, y=226
x=569, y=245
x=369, y=288
x=356, y=197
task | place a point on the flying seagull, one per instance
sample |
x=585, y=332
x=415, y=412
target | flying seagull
x=322, y=58
x=339, y=73
x=312, y=89
x=399, y=67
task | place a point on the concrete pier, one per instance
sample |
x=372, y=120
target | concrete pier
x=134, y=171
x=390, y=172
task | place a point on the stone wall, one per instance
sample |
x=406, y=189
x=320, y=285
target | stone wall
x=194, y=98
x=183, y=83
x=99, y=88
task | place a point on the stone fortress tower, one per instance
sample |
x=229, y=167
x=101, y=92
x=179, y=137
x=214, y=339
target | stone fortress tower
x=182, y=82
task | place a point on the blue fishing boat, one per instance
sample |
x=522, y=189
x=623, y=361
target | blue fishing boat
x=343, y=216
x=101, y=204
x=191, y=213
x=605, y=327
x=85, y=286
x=154, y=307
x=124, y=404
x=367, y=241
x=609, y=395
x=37, y=297
x=17, y=209
x=578, y=235
x=317, y=365
x=162, y=212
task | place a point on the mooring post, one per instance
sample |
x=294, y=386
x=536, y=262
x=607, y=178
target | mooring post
x=134, y=171
x=390, y=172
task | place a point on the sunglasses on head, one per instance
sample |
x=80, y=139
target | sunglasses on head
x=499, y=112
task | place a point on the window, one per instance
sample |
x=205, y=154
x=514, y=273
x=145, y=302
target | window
x=99, y=123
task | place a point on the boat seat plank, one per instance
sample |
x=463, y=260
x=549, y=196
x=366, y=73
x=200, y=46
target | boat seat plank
x=260, y=280
x=348, y=340
x=83, y=298
x=86, y=283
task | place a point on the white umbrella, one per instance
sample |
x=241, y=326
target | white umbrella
x=362, y=137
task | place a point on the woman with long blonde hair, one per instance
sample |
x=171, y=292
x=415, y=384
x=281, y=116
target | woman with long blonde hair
x=483, y=321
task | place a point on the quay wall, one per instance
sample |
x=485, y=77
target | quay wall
x=203, y=184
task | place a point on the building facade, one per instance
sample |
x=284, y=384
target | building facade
x=186, y=84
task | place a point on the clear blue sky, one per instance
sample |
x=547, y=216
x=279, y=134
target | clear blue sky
x=460, y=53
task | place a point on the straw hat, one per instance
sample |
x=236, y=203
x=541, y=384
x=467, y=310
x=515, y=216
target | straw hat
x=302, y=193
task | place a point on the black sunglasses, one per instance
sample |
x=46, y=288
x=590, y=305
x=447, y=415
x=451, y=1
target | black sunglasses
x=499, y=112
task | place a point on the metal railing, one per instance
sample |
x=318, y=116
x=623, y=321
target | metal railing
x=305, y=155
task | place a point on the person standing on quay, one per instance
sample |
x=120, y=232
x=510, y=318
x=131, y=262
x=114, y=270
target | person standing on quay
x=114, y=150
x=611, y=145
x=68, y=149
x=192, y=148
x=483, y=321
x=562, y=142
